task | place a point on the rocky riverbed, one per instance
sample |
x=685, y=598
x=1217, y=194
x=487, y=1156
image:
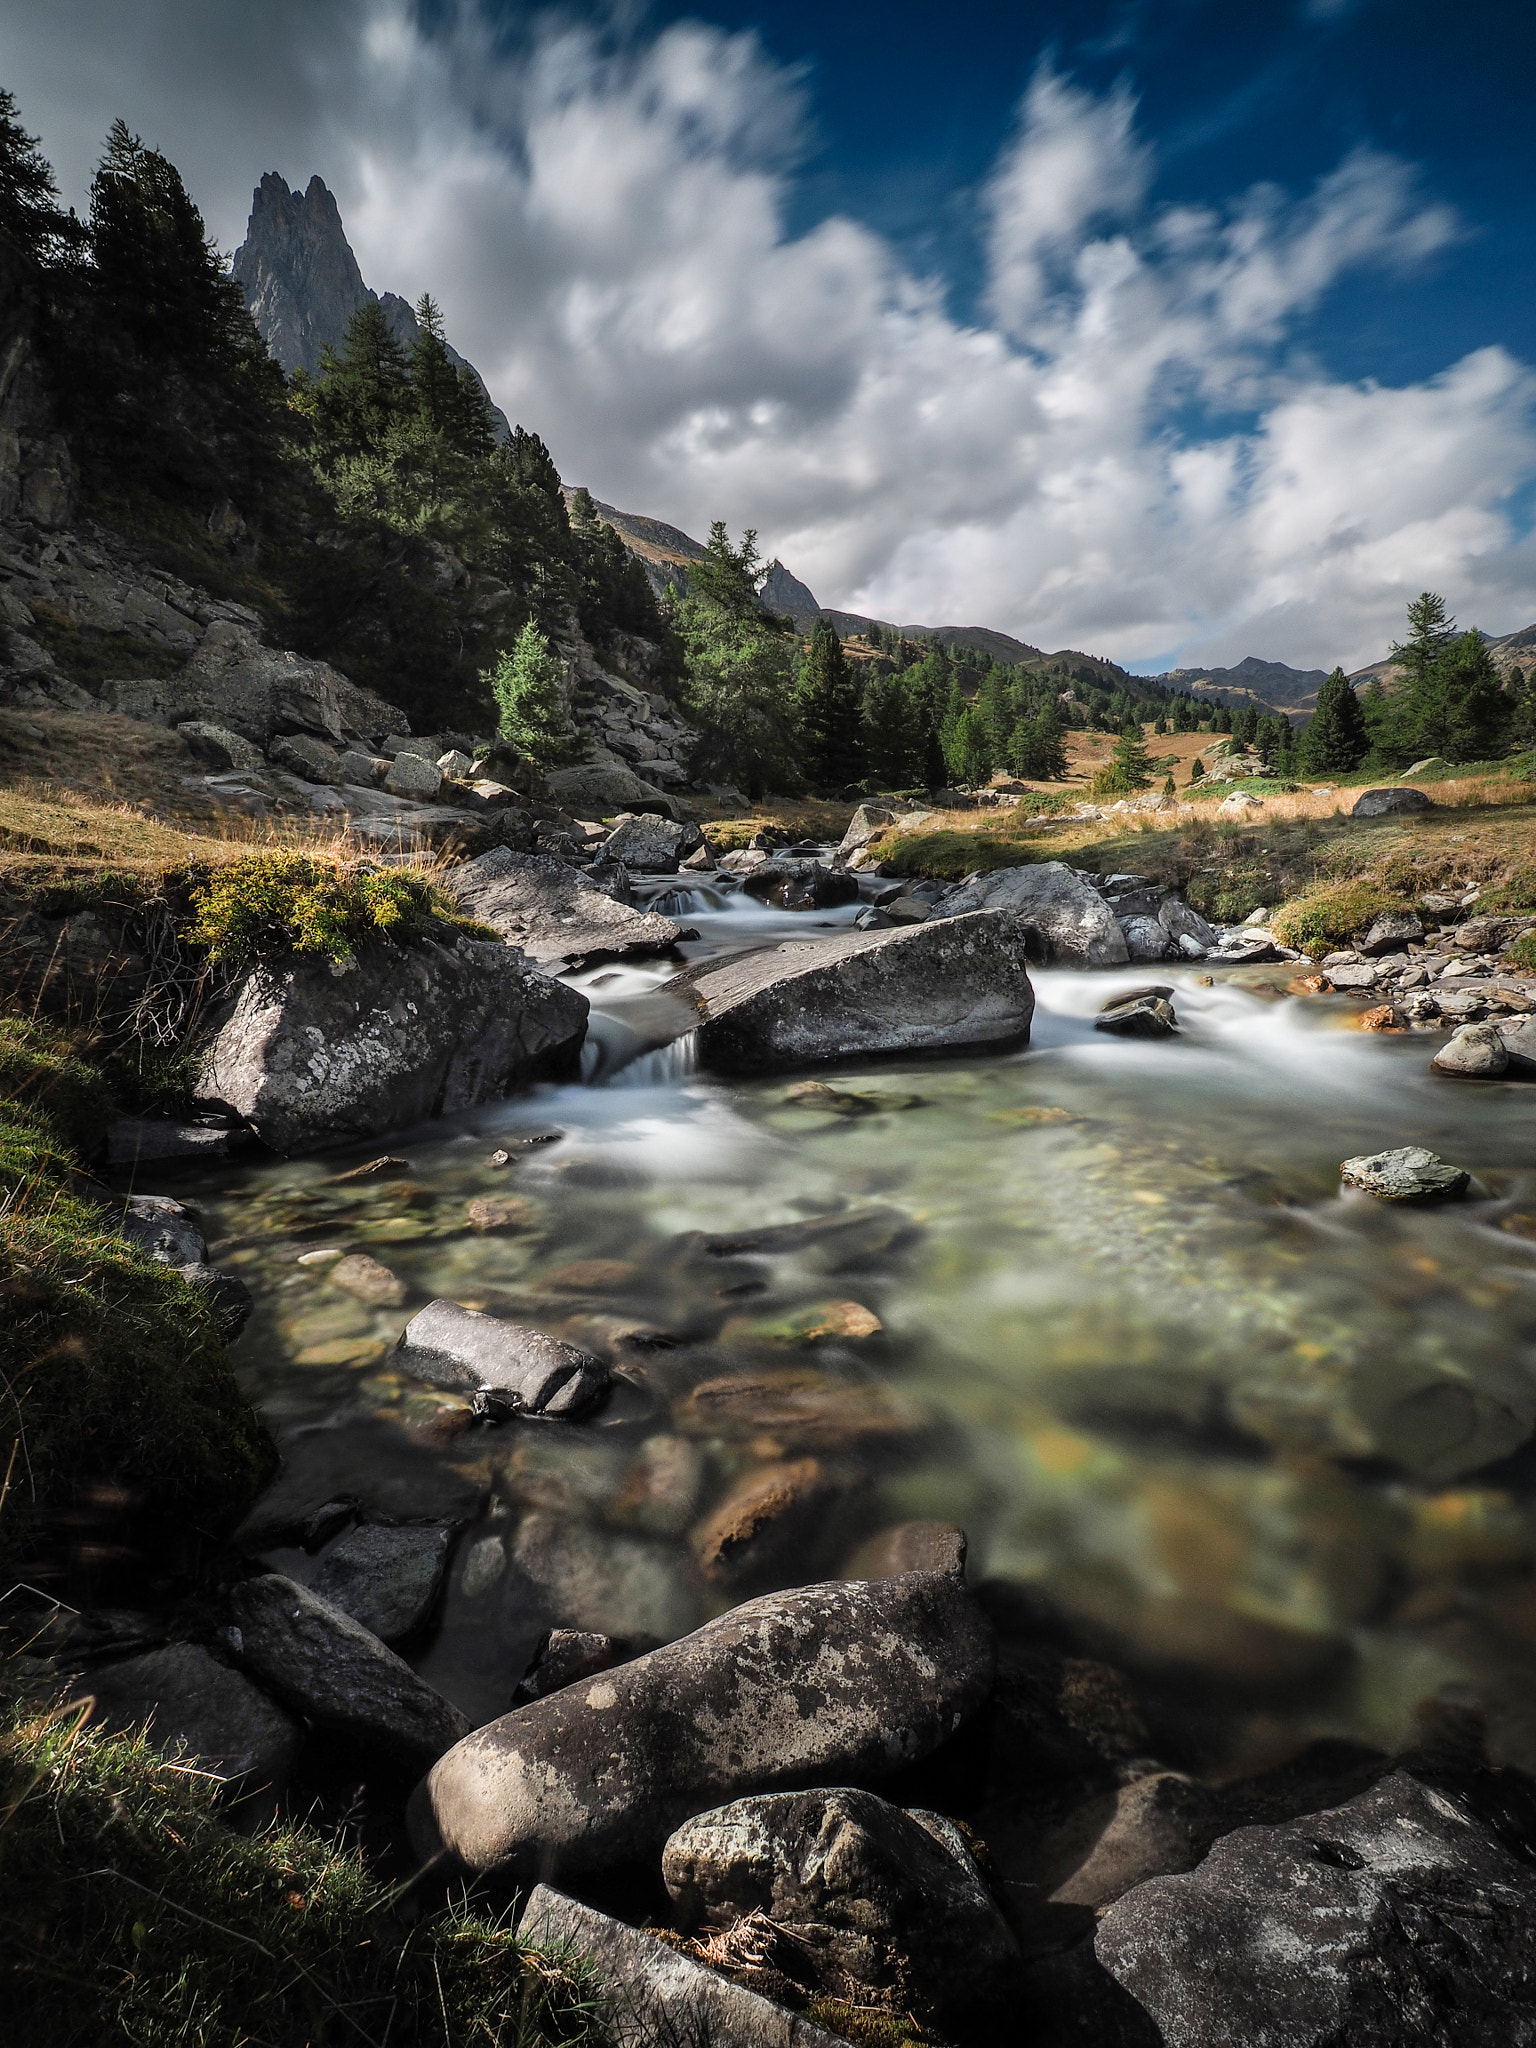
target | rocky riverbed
x=851, y=1534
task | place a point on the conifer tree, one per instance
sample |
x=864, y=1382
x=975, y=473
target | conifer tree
x=892, y=740
x=363, y=391
x=1430, y=633
x=526, y=683
x=1132, y=763
x=1336, y=740
x=1037, y=750
x=30, y=214
x=830, y=712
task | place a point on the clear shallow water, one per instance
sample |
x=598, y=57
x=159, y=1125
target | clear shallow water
x=1175, y=1387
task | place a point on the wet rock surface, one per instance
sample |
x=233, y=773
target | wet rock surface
x=313, y=1053
x=386, y=1578
x=1408, y=1174
x=1400, y=1916
x=474, y=1353
x=923, y=988
x=842, y=1681
x=549, y=910
x=334, y=1671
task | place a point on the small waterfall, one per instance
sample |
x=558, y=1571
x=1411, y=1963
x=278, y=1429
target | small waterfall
x=686, y=902
x=661, y=1067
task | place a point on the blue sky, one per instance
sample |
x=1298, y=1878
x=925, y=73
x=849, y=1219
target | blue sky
x=1174, y=330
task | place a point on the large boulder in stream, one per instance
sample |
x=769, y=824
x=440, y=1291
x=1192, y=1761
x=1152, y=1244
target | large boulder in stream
x=552, y=912
x=931, y=987
x=1061, y=914
x=846, y=1682
x=314, y=1052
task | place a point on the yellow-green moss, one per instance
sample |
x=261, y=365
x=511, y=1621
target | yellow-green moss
x=1324, y=919
x=280, y=902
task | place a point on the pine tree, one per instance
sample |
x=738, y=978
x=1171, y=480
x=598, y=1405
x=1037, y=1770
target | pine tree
x=1196, y=769
x=1474, y=712
x=527, y=684
x=729, y=577
x=1336, y=740
x=363, y=391
x=1037, y=750
x=1430, y=634
x=892, y=740
x=1132, y=762
x=830, y=712
x=30, y=214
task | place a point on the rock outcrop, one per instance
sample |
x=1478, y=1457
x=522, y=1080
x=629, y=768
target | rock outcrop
x=257, y=692
x=957, y=982
x=315, y=1052
x=547, y=908
x=1061, y=915
x=842, y=1681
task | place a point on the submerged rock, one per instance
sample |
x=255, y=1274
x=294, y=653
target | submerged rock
x=844, y=1681
x=652, y=1994
x=1409, y=1174
x=766, y=1517
x=314, y=1052
x=551, y=911
x=1399, y=1916
x=957, y=982
x=889, y=1901
x=1062, y=915
x=337, y=1673
x=564, y=1657
x=471, y=1353
x=909, y=1547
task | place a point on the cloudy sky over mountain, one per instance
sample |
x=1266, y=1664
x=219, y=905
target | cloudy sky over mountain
x=1125, y=325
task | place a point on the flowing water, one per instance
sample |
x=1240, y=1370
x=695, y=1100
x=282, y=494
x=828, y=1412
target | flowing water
x=1101, y=1302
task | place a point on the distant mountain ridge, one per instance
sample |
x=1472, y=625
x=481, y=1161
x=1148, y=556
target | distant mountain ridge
x=302, y=284
x=1272, y=684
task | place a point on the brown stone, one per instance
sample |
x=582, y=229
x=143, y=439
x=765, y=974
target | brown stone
x=764, y=1517
x=372, y=1167
x=500, y=1212
x=909, y=1547
x=1383, y=1019
x=798, y=1409
x=368, y=1280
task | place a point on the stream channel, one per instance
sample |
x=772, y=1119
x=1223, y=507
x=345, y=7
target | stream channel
x=1100, y=1302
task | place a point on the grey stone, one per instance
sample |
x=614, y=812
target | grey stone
x=455, y=765
x=1409, y=1174
x=312, y=1053
x=651, y=1994
x=231, y=1298
x=1146, y=938
x=842, y=1681
x=604, y=1581
x=218, y=747
x=564, y=1657
x=412, y=775
x=649, y=845
x=1387, y=803
x=1353, y=975
x=1139, y=1016
x=162, y=1230
x=1182, y=922
x=955, y=981
x=412, y=828
x=799, y=885
x=599, y=788
x=473, y=1353
x=867, y=823
x=1392, y=931
x=193, y=1703
x=1247, y=951
x=257, y=692
x=1476, y=1051
x=1064, y=916
x=133, y=1140
x=363, y=771
x=304, y=755
x=386, y=1578
x=1519, y=1036
x=337, y=1673
x=1398, y=1917
x=551, y=912
x=875, y=1896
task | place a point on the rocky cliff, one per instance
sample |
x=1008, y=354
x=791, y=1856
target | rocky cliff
x=301, y=279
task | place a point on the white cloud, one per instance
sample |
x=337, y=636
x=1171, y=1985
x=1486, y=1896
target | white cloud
x=603, y=220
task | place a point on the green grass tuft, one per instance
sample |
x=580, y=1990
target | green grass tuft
x=280, y=902
x=1325, y=918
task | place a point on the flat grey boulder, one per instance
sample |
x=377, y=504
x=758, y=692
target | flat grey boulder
x=1353, y=975
x=1396, y=1918
x=146, y=1140
x=313, y=1053
x=650, y=1994
x=841, y=1681
x=868, y=822
x=329, y=1668
x=217, y=747
x=601, y=786
x=1063, y=916
x=386, y=1578
x=1408, y=1174
x=413, y=775
x=1392, y=931
x=1475, y=1052
x=889, y=1899
x=1139, y=1013
x=1184, y=923
x=959, y=981
x=188, y=1701
x=473, y=1353
x=551, y=911
x=1386, y=803
x=1519, y=1036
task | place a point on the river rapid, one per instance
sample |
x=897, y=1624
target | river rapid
x=1100, y=1302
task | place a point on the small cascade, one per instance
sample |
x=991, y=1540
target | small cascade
x=662, y=1067
x=687, y=902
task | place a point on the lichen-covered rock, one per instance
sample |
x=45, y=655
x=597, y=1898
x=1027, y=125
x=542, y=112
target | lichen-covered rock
x=829, y=1681
x=956, y=981
x=800, y=885
x=474, y=1353
x=217, y=747
x=552, y=912
x=650, y=845
x=1146, y=938
x=1062, y=915
x=1398, y=1917
x=413, y=775
x=1391, y=932
x=255, y=691
x=312, y=1053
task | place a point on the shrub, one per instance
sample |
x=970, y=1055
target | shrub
x=1327, y=917
x=528, y=685
x=275, y=903
x=130, y=1912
